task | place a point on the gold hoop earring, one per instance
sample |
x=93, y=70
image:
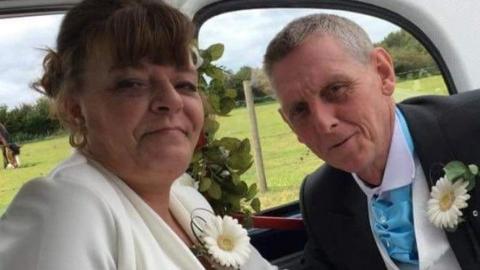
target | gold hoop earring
x=78, y=137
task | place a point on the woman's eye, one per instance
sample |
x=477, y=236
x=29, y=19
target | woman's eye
x=132, y=87
x=130, y=84
x=186, y=86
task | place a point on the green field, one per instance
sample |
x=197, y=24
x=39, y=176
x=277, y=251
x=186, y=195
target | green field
x=286, y=161
x=38, y=158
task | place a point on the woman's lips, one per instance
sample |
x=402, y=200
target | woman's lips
x=167, y=130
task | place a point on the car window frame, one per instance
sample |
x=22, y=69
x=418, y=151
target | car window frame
x=220, y=7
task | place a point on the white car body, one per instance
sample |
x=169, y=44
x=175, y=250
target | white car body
x=447, y=28
x=451, y=25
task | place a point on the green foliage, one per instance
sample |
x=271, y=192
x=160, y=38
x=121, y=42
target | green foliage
x=28, y=122
x=473, y=168
x=212, y=81
x=260, y=84
x=219, y=164
x=411, y=59
x=261, y=88
x=457, y=171
x=235, y=81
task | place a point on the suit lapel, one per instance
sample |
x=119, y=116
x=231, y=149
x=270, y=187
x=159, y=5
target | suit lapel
x=350, y=238
x=427, y=236
x=434, y=151
x=430, y=144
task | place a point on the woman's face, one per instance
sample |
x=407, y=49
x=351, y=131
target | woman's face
x=142, y=122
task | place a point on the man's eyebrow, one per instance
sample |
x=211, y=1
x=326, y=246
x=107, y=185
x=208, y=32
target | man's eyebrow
x=336, y=78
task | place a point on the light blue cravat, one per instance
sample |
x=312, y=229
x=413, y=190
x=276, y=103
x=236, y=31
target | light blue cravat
x=393, y=224
x=393, y=217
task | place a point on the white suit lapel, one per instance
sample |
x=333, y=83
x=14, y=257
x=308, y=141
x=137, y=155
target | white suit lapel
x=184, y=198
x=434, y=251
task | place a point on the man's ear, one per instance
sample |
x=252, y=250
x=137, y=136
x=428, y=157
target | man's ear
x=384, y=66
x=285, y=119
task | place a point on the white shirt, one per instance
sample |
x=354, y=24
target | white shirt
x=82, y=217
x=403, y=168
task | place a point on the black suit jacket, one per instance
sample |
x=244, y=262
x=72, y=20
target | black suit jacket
x=335, y=209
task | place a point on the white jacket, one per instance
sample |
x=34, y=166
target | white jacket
x=82, y=217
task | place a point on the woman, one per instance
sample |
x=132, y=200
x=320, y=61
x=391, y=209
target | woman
x=124, y=84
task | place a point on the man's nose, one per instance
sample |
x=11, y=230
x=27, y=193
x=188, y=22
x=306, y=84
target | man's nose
x=324, y=116
x=166, y=98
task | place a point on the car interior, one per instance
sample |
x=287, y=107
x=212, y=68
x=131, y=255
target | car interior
x=442, y=32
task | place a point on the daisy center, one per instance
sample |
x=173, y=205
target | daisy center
x=446, y=201
x=225, y=243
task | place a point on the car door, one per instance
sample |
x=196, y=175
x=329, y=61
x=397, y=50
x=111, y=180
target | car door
x=440, y=30
x=444, y=29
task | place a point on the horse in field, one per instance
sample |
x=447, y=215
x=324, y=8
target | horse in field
x=10, y=151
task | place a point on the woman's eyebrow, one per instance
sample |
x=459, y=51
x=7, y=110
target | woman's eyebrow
x=136, y=66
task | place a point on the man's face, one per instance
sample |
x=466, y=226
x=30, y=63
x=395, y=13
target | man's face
x=339, y=107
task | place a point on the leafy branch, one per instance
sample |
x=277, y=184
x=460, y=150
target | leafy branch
x=458, y=171
x=218, y=164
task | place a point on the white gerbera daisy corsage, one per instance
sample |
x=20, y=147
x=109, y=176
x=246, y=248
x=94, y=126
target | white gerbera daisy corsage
x=450, y=195
x=227, y=241
x=223, y=242
x=447, y=199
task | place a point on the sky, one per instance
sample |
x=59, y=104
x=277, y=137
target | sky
x=245, y=35
x=22, y=41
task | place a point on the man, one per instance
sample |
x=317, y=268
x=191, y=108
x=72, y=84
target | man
x=367, y=207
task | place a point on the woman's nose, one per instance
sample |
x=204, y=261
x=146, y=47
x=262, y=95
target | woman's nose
x=166, y=98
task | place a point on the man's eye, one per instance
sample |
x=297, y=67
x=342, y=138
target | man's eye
x=298, y=110
x=335, y=92
x=186, y=86
x=337, y=87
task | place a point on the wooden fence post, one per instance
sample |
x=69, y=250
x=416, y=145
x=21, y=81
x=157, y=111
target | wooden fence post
x=261, y=181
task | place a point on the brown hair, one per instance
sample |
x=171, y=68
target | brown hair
x=124, y=31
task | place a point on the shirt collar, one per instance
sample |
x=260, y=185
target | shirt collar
x=400, y=167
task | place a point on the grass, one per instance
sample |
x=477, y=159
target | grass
x=38, y=158
x=433, y=85
x=286, y=161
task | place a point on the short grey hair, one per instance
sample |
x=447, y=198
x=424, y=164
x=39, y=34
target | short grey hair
x=351, y=36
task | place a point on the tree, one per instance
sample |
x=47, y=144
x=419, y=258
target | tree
x=410, y=57
x=235, y=81
x=260, y=83
x=27, y=121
